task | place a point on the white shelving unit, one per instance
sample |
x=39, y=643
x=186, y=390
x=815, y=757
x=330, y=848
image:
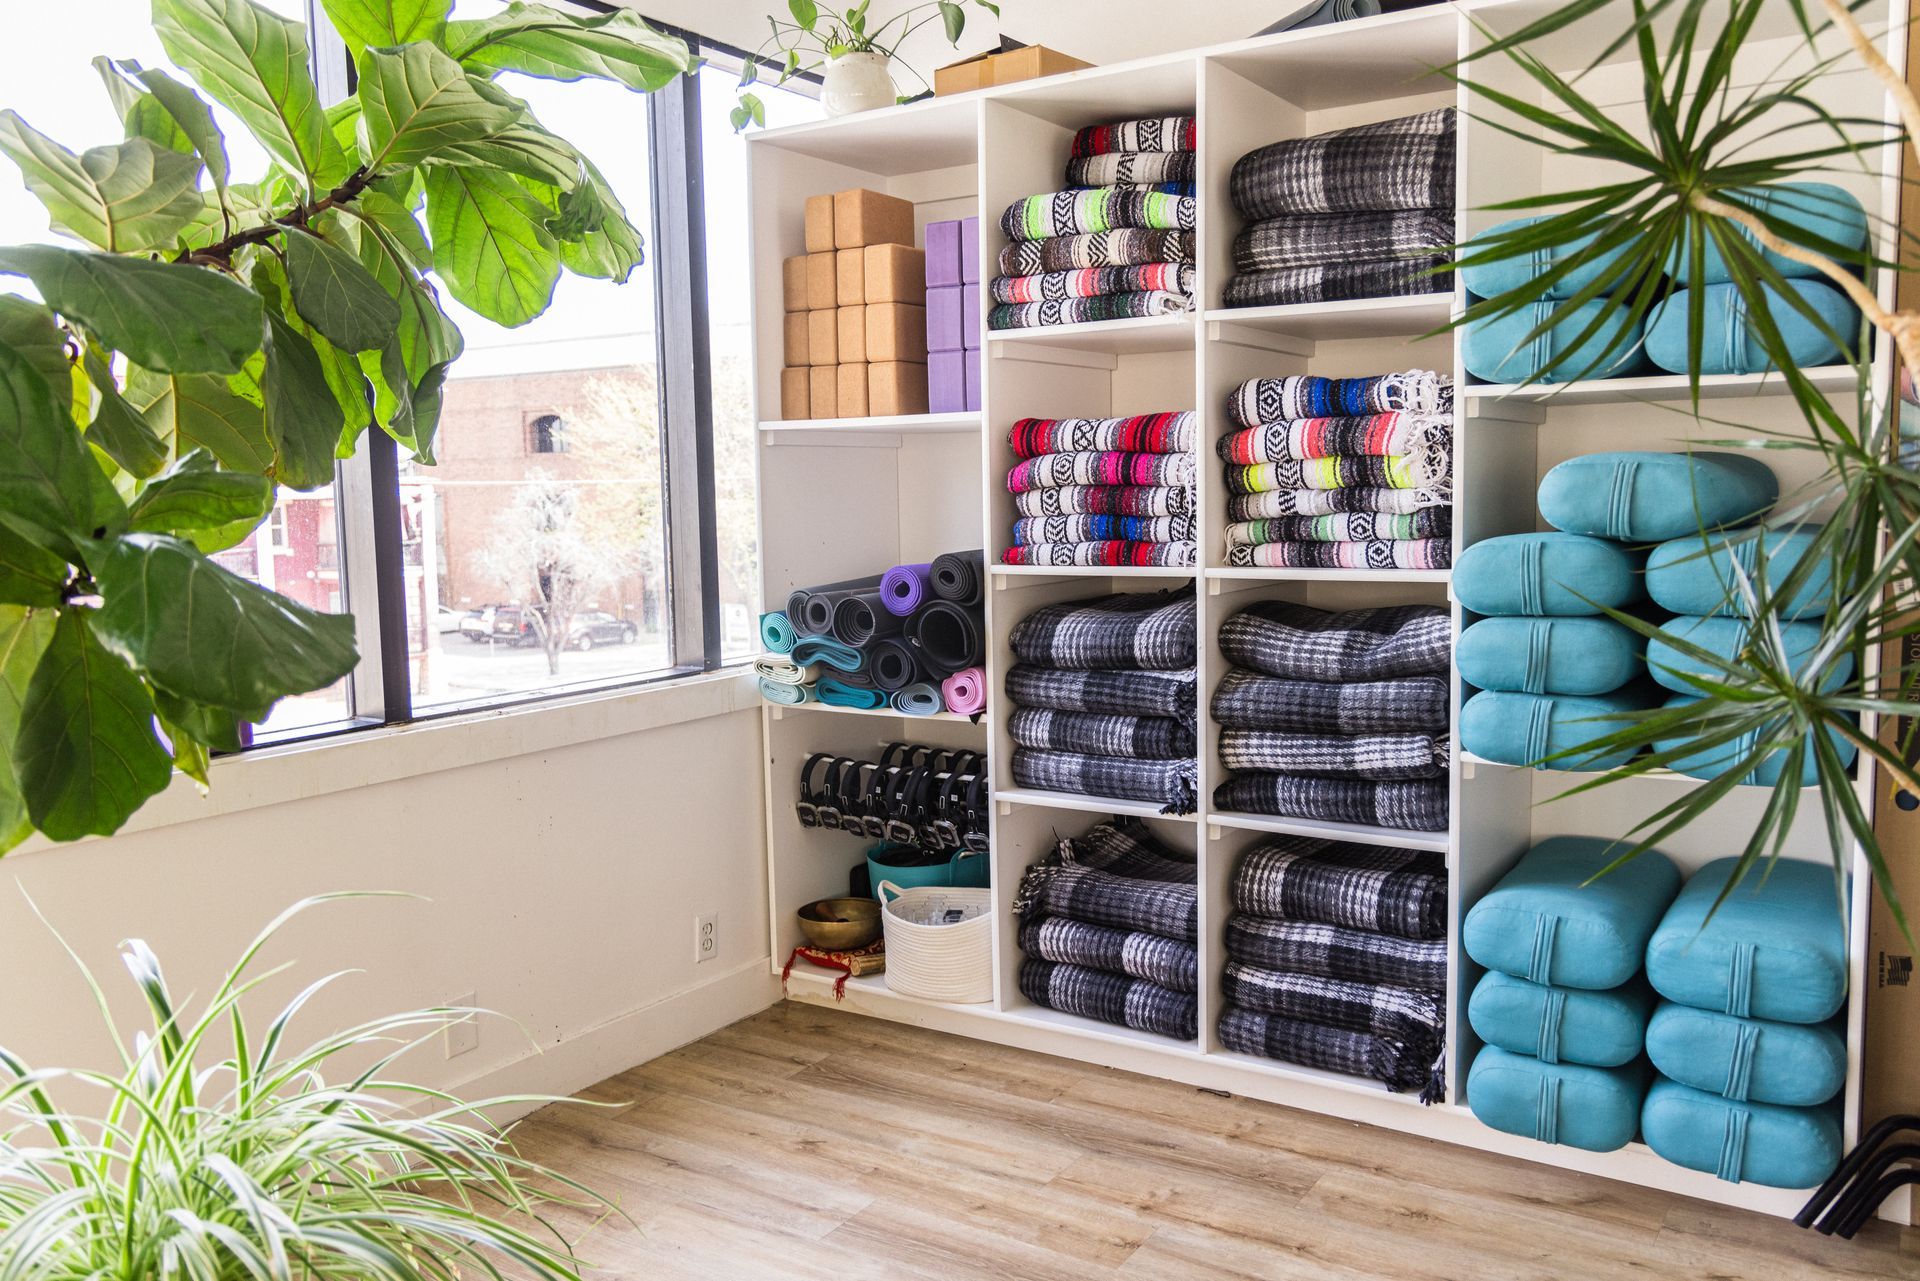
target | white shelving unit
x=848, y=497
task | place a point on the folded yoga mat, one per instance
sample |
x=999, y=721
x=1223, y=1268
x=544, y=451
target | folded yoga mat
x=1409, y=553
x=1168, y=433
x=1394, y=705
x=965, y=692
x=1398, y=1065
x=1302, y=643
x=1358, y=887
x=1371, y=756
x=1135, y=693
x=1111, y=998
x=1281, y=400
x=1167, y=962
x=919, y=699
x=892, y=664
x=1130, y=631
x=1337, y=952
x=1339, y=282
x=904, y=588
x=946, y=637
x=811, y=608
x=1397, y=1013
x=1406, y=163
x=1093, y=282
x=1342, y=239
x=787, y=694
x=1145, y=555
x=1035, y=530
x=829, y=652
x=1344, y=527
x=835, y=692
x=1096, y=209
x=1158, y=133
x=1133, y=247
x=787, y=673
x=1418, y=805
x=959, y=576
x=1118, y=168
x=777, y=632
x=1169, y=909
x=1138, y=737
x=1106, y=500
x=1275, y=503
x=1086, y=311
x=861, y=618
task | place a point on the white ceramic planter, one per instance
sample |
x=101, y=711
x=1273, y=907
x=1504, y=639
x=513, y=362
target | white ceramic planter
x=856, y=82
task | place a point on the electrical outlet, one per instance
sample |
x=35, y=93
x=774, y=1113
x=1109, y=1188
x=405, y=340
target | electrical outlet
x=463, y=1036
x=706, y=937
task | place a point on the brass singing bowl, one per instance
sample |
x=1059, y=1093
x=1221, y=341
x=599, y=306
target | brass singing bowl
x=840, y=924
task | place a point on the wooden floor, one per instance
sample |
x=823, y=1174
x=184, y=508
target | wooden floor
x=809, y=1143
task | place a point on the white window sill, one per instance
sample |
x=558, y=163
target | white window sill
x=275, y=775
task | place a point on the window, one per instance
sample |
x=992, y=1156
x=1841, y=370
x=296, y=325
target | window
x=545, y=435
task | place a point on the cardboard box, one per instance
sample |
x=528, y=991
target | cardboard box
x=895, y=273
x=793, y=283
x=797, y=341
x=970, y=317
x=851, y=325
x=822, y=285
x=943, y=253
x=819, y=224
x=946, y=382
x=862, y=217
x=943, y=318
x=1002, y=68
x=852, y=390
x=963, y=77
x=823, y=338
x=793, y=394
x=896, y=387
x=970, y=362
x=823, y=391
x=850, y=277
x=896, y=331
x=969, y=251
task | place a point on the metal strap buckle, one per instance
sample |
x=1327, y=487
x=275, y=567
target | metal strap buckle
x=830, y=816
x=809, y=813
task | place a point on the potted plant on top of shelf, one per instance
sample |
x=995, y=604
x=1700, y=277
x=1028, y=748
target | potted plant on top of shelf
x=853, y=59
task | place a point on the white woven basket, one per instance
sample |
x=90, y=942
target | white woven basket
x=939, y=942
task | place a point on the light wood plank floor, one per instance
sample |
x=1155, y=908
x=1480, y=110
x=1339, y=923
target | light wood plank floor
x=811, y=1144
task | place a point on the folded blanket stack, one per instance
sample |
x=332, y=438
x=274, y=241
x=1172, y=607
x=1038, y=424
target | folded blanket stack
x=1104, y=491
x=1337, y=960
x=1339, y=717
x=1103, y=698
x=1116, y=242
x=911, y=639
x=1340, y=473
x=1109, y=924
x=1365, y=212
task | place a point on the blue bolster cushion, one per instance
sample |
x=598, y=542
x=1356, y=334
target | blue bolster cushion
x=1820, y=209
x=1695, y=575
x=1728, y=342
x=1561, y=1024
x=1549, y=655
x=1747, y=1060
x=1490, y=280
x=1726, y=637
x=1547, y=574
x=1596, y=1108
x=1544, y=922
x=1763, y=1143
x=1712, y=762
x=1493, y=352
x=1649, y=497
x=1773, y=950
x=1524, y=729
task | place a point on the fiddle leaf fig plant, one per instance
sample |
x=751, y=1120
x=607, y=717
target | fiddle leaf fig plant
x=210, y=339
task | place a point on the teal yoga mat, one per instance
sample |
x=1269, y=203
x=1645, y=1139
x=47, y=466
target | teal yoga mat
x=830, y=652
x=777, y=632
x=838, y=693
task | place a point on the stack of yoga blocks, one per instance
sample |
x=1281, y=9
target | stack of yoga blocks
x=953, y=316
x=1601, y=338
x=1104, y=491
x=1116, y=243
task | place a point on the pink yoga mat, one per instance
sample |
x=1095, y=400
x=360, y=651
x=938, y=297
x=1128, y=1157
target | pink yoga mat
x=966, y=691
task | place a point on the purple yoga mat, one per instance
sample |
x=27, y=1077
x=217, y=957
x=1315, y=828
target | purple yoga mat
x=903, y=588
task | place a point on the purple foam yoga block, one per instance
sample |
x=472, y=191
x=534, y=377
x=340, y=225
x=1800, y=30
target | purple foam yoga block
x=946, y=382
x=969, y=251
x=944, y=323
x=943, y=253
x=970, y=317
x=971, y=372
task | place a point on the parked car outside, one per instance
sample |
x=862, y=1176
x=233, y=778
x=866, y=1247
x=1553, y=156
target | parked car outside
x=506, y=624
x=597, y=628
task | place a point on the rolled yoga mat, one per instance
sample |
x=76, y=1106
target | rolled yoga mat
x=777, y=632
x=946, y=637
x=918, y=699
x=966, y=691
x=892, y=664
x=838, y=693
x=811, y=608
x=829, y=652
x=862, y=618
x=784, y=693
x=957, y=576
x=904, y=588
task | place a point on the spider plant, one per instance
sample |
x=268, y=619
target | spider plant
x=1688, y=183
x=254, y=1164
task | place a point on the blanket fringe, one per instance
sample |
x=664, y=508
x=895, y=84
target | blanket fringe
x=1436, y=1087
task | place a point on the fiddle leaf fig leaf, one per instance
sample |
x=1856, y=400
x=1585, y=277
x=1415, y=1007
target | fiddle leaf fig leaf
x=192, y=117
x=24, y=634
x=216, y=727
x=204, y=634
x=164, y=316
x=302, y=417
x=139, y=110
x=536, y=40
x=202, y=410
x=337, y=295
x=46, y=475
x=125, y=198
x=122, y=434
x=29, y=573
x=490, y=243
x=386, y=23
x=85, y=751
x=528, y=151
x=197, y=495
x=415, y=101
x=31, y=330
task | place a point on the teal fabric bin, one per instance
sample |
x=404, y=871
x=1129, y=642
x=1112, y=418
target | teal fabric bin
x=1490, y=280
x=1778, y=1147
x=1546, y=923
x=1549, y=655
x=1547, y=574
x=1715, y=761
x=1820, y=209
x=1523, y=729
x=1748, y=1060
x=1595, y=1108
x=1648, y=497
x=1772, y=951
x=1695, y=574
x=1494, y=351
x=1561, y=1024
x=1726, y=637
x=965, y=869
x=1729, y=344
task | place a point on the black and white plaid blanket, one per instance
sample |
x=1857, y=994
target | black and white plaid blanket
x=1338, y=282
x=1105, y=500
x=1374, y=756
x=1134, y=953
x=1305, y=503
x=1166, y=908
x=1398, y=1065
x=1128, y=247
x=1116, y=168
x=1415, y=805
x=1282, y=400
x=1362, y=887
x=1170, y=693
x=1402, y=705
x=1392, y=164
x=1397, y=1013
x=1325, y=240
x=1299, y=642
x=1126, y=847
x=1336, y=952
x=1139, y=737
x=1172, y=785
x=1111, y=998
x=1131, y=631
